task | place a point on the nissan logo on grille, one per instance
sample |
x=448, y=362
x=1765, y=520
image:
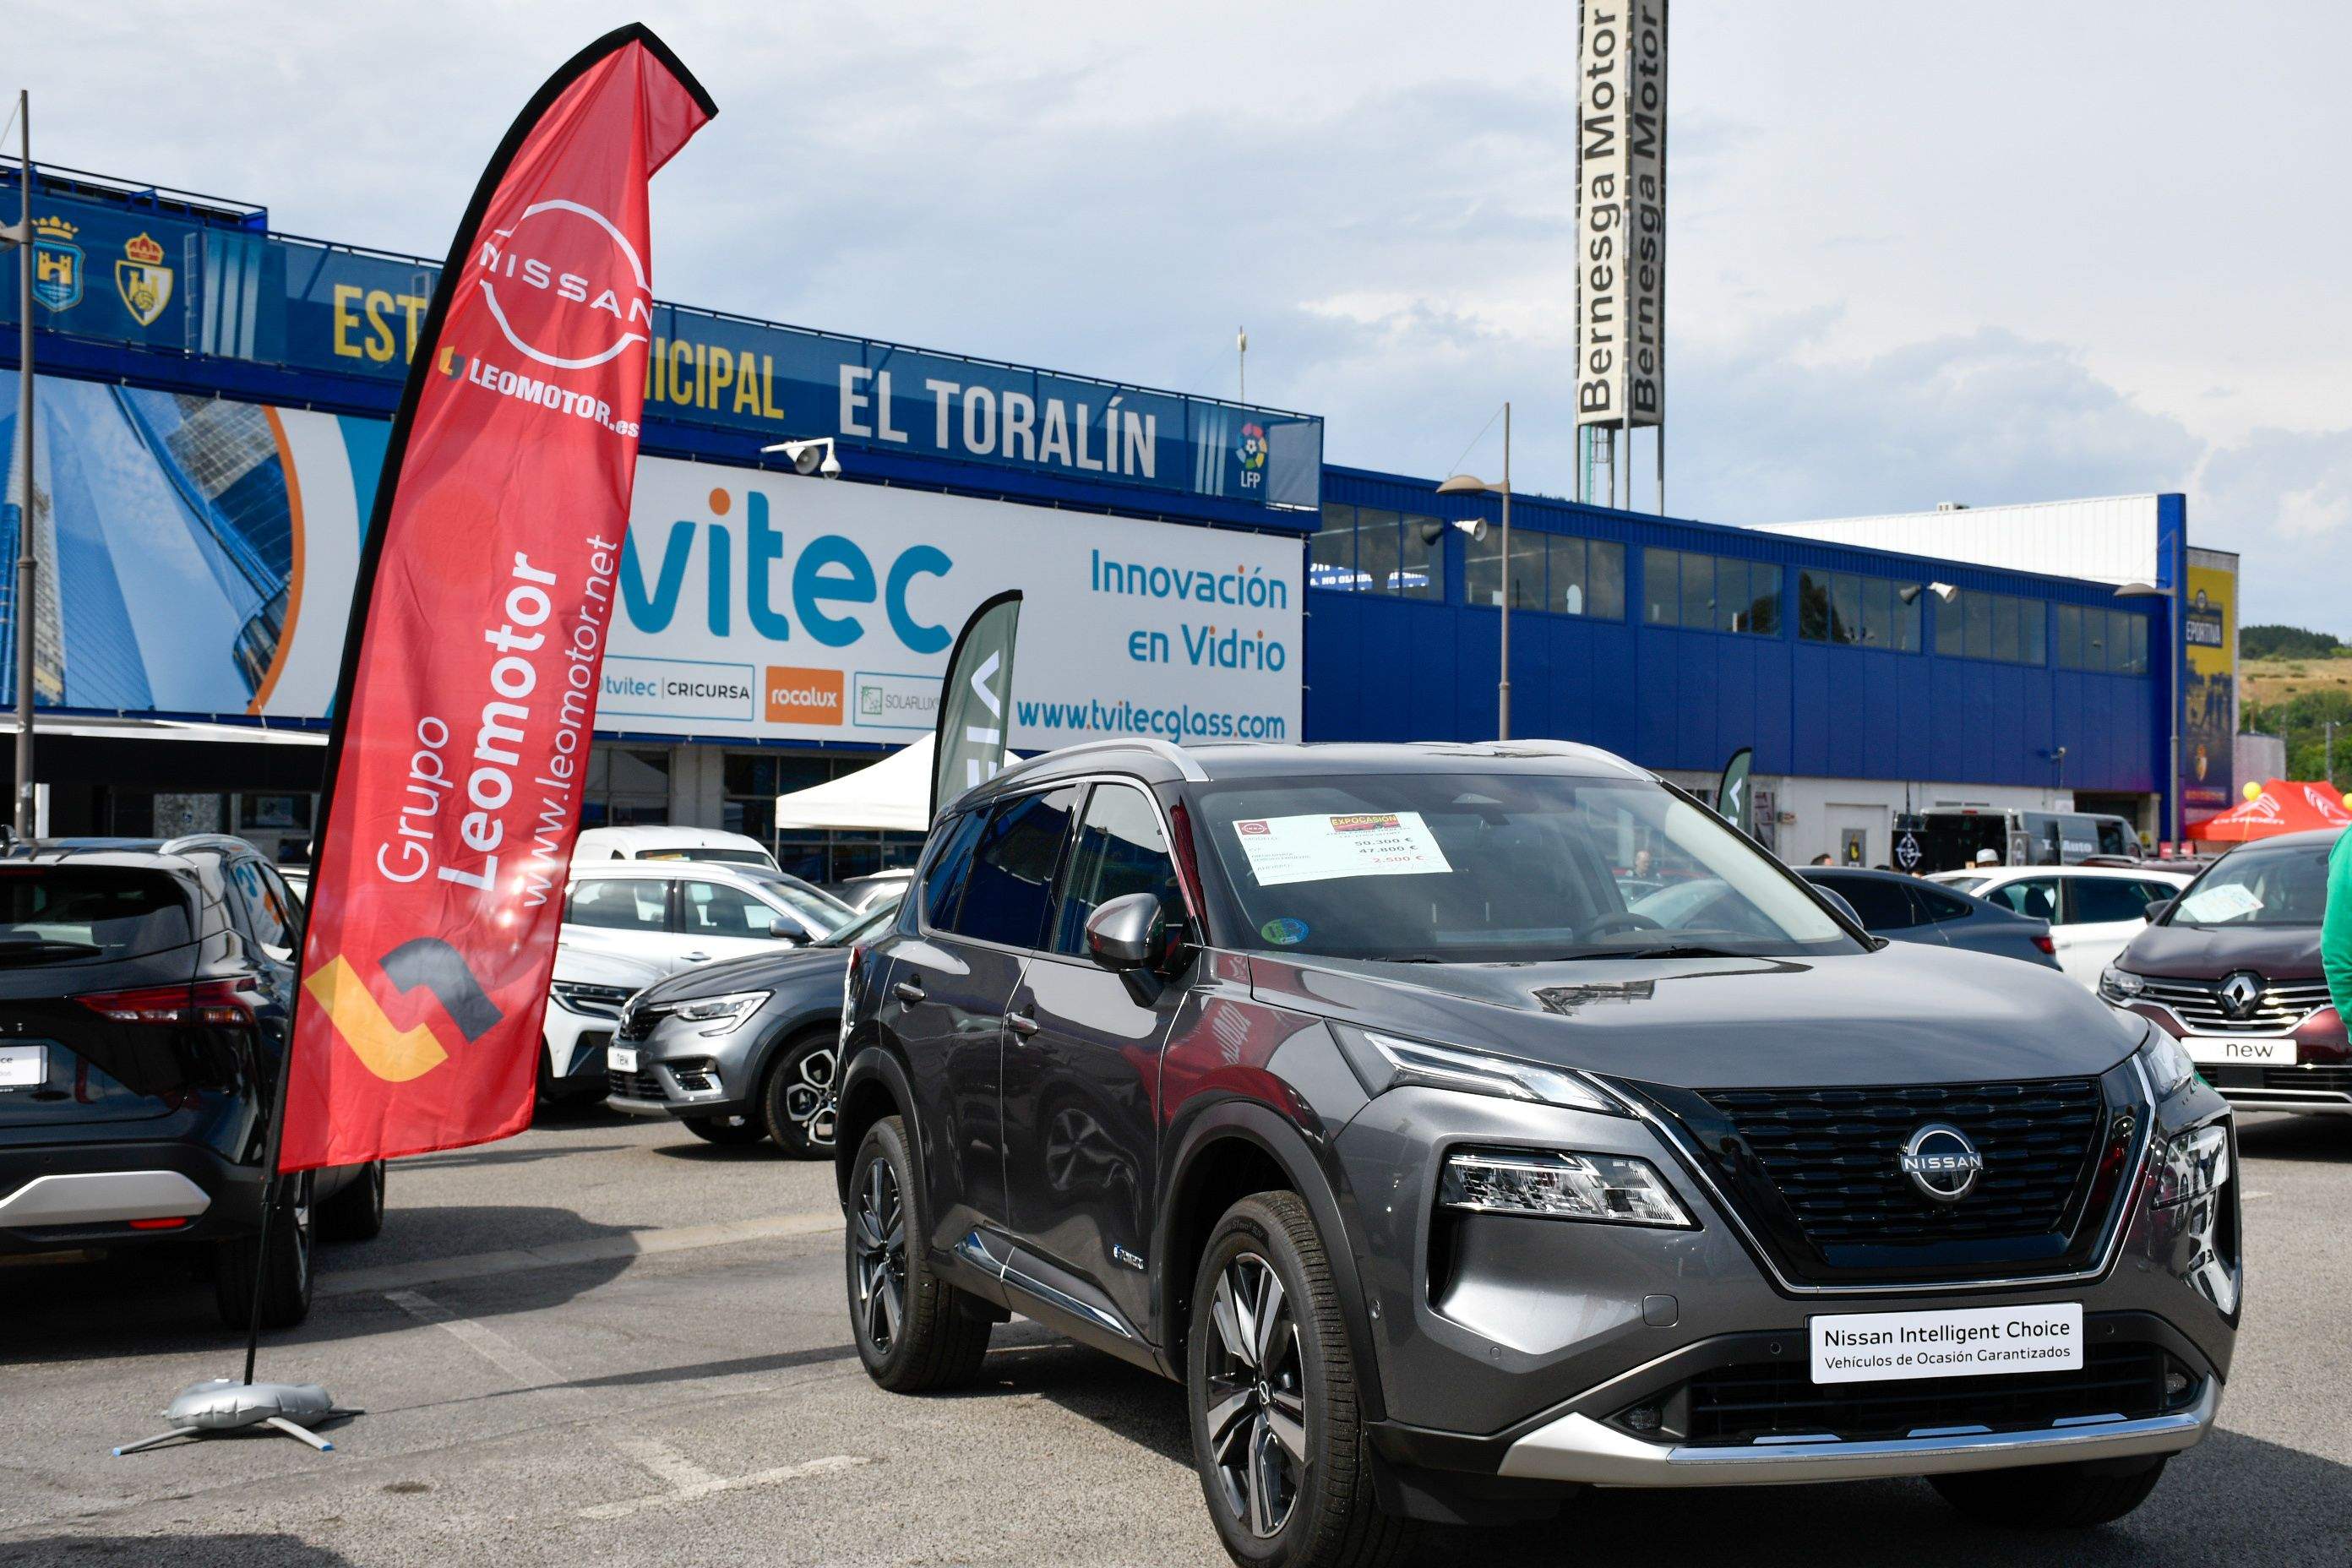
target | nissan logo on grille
x=1941, y=1162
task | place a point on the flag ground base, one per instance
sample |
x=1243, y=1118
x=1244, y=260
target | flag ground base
x=216, y=1406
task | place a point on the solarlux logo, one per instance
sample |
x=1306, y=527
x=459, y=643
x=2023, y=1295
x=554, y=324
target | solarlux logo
x=509, y=262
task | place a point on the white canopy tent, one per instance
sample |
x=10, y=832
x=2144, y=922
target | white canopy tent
x=893, y=796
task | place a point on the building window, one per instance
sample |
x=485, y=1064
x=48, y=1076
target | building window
x=1855, y=611
x=625, y=784
x=1557, y=573
x=1710, y=593
x=2002, y=627
x=2103, y=641
x=1364, y=550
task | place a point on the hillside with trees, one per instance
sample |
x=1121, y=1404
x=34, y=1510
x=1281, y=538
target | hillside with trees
x=2295, y=683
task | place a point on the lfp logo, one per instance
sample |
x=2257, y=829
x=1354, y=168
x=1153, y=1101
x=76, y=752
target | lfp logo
x=1251, y=453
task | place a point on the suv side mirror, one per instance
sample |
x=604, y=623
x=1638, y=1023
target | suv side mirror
x=2156, y=910
x=783, y=930
x=1127, y=934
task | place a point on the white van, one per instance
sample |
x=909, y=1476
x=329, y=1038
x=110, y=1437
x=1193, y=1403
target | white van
x=662, y=842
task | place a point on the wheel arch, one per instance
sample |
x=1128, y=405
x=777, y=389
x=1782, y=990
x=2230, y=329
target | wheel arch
x=874, y=1086
x=1227, y=1153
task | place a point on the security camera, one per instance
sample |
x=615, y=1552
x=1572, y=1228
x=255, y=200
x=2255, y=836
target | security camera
x=810, y=457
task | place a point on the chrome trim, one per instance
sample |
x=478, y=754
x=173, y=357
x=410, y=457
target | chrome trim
x=1578, y=1448
x=973, y=1250
x=99, y=1197
x=2300, y=1100
x=1695, y=1166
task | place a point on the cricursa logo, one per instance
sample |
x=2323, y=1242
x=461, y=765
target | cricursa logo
x=566, y=303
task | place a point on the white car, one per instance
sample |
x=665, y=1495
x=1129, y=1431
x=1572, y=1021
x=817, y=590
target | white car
x=2094, y=911
x=592, y=984
x=663, y=842
x=674, y=914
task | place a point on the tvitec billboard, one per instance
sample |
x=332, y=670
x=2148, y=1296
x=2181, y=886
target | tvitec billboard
x=206, y=550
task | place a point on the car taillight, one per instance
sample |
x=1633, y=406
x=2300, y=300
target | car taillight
x=2047, y=944
x=213, y=1002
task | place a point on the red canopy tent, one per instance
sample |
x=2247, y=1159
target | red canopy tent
x=2284, y=807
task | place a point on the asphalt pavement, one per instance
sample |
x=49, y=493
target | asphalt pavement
x=604, y=1342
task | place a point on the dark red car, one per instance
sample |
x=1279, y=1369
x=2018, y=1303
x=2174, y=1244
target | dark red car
x=2231, y=968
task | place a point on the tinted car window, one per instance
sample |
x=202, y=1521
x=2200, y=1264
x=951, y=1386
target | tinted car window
x=60, y=913
x=1883, y=906
x=2109, y=899
x=1120, y=850
x=1935, y=904
x=618, y=903
x=272, y=920
x=2035, y=896
x=1012, y=869
x=943, y=879
x=714, y=909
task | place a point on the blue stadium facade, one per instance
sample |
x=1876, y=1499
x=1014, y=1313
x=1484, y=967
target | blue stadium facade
x=1866, y=681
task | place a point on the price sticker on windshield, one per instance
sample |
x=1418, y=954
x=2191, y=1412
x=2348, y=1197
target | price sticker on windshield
x=1323, y=847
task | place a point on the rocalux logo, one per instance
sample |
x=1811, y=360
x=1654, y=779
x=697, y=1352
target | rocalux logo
x=978, y=770
x=1941, y=1162
x=501, y=258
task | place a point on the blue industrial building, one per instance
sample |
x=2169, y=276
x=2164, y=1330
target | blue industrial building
x=1867, y=681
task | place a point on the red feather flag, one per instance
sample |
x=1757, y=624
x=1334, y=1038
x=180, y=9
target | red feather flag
x=478, y=627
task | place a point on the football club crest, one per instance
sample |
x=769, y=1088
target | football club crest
x=57, y=264
x=143, y=279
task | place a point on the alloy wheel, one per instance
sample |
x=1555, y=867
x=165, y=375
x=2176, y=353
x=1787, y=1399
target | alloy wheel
x=879, y=1234
x=301, y=1231
x=809, y=1099
x=1256, y=1396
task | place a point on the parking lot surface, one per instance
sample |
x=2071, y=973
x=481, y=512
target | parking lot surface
x=604, y=1342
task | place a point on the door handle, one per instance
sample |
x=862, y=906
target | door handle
x=908, y=991
x=1021, y=1023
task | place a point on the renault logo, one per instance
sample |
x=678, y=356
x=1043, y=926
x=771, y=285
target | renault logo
x=2241, y=994
x=1941, y=1162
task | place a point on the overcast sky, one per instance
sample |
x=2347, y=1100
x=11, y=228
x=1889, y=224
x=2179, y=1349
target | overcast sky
x=2002, y=251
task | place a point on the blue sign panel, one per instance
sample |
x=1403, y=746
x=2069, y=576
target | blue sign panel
x=152, y=281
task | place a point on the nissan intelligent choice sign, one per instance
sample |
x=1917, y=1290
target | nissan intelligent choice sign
x=483, y=609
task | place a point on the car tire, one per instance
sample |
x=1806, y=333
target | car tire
x=286, y=1289
x=2050, y=1497
x=725, y=1130
x=915, y=1332
x=356, y=1213
x=796, y=1098
x=1277, y=1431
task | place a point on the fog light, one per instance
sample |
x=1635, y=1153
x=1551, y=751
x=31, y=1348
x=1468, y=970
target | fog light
x=2176, y=1383
x=1644, y=1418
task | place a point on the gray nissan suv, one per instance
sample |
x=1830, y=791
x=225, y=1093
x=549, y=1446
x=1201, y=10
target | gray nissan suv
x=1343, y=1086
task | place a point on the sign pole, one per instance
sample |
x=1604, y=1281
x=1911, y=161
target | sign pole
x=28, y=564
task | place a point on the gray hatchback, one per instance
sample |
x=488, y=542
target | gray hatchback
x=1348, y=1086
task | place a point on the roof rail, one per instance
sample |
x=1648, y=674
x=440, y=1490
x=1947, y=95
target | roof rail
x=186, y=841
x=1167, y=751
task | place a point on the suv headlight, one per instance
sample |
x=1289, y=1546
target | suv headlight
x=2168, y=1064
x=1553, y=1185
x=724, y=1014
x=1385, y=1062
x=2193, y=1165
x=2120, y=985
x=590, y=1001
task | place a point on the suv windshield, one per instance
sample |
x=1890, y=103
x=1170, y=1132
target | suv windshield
x=1498, y=868
x=2256, y=887
x=58, y=914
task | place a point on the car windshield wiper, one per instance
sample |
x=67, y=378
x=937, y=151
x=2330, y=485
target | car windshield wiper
x=1666, y=950
x=25, y=951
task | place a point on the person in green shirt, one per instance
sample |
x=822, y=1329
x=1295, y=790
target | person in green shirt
x=2336, y=926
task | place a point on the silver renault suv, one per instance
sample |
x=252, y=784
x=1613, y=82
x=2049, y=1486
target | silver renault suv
x=1349, y=1087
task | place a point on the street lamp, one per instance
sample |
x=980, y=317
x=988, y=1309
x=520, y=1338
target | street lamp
x=2178, y=648
x=1464, y=485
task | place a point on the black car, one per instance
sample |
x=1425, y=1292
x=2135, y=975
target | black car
x=145, y=991
x=1347, y=1085
x=1907, y=908
x=742, y=1049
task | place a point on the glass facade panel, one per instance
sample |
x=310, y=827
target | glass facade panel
x=2033, y=631
x=1482, y=569
x=1845, y=608
x=2070, y=636
x=1699, y=591
x=1764, y=598
x=1376, y=550
x=1604, y=583
x=1951, y=627
x=1528, y=570
x=1731, y=596
x=1977, y=610
x=1568, y=595
x=2004, y=628
x=1813, y=605
x=1906, y=616
x=1332, y=552
x=1877, y=613
x=1661, y=587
